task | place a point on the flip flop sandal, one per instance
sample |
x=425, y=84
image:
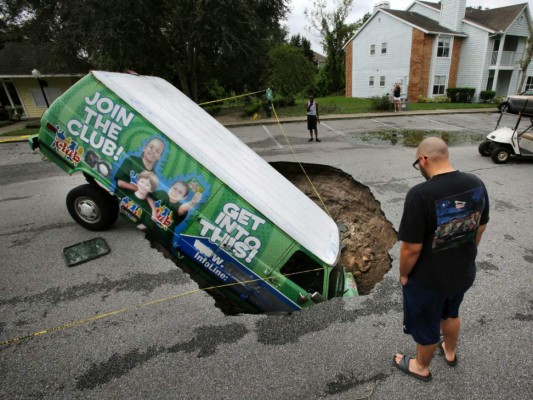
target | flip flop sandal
x=403, y=366
x=442, y=353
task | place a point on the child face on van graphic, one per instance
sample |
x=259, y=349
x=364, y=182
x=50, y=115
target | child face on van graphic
x=146, y=184
x=178, y=191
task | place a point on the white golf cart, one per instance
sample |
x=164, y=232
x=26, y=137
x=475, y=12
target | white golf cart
x=503, y=142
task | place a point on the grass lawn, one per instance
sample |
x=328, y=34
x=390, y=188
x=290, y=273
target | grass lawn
x=20, y=132
x=344, y=105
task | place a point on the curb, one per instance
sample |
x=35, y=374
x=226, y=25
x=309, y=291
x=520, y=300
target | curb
x=331, y=117
x=10, y=139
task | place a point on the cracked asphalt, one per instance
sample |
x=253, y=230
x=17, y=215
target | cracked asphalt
x=132, y=325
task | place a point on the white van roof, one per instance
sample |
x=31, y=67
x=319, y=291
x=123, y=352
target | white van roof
x=229, y=159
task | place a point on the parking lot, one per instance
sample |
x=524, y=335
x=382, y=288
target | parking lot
x=133, y=325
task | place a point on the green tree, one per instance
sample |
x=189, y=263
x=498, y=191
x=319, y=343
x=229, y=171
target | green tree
x=528, y=53
x=331, y=27
x=290, y=70
x=187, y=42
x=305, y=45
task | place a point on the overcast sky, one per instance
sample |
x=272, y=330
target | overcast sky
x=297, y=22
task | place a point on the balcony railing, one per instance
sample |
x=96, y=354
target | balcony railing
x=507, y=60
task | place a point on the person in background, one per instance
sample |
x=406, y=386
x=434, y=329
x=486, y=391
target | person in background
x=312, y=117
x=441, y=226
x=397, y=92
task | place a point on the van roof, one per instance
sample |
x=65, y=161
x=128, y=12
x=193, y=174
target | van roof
x=228, y=158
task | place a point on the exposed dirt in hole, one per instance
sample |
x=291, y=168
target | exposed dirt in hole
x=366, y=235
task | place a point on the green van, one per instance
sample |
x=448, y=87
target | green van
x=151, y=154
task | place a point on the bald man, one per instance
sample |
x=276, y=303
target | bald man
x=442, y=224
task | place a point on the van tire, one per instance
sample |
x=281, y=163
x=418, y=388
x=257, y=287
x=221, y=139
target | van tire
x=500, y=155
x=92, y=207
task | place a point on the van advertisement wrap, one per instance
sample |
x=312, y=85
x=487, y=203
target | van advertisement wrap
x=161, y=189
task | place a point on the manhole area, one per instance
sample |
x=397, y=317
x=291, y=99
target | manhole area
x=366, y=235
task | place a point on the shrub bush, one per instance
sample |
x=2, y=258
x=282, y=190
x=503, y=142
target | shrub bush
x=487, y=95
x=498, y=99
x=213, y=110
x=438, y=99
x=381, y=103
x=252, y=108
x=4, y=114
x=461, y=95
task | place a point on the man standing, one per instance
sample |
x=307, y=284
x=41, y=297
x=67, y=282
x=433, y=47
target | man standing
x=312, y=118
x=442, y=224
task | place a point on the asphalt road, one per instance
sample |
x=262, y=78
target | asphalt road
x=132, y=325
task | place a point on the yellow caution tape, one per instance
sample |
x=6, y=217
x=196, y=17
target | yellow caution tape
x=232, y=97
x=136, y=307
x=299, y=162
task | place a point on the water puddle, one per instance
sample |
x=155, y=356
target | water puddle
x=411, y=138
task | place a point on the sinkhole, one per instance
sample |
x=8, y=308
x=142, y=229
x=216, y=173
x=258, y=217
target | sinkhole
x=366, y=236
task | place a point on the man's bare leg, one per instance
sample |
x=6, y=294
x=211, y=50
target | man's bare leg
x=450, y=331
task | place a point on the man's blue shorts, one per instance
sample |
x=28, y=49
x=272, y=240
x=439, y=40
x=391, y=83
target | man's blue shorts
x=423, y=309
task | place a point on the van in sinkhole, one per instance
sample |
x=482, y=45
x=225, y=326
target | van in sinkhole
x=151, y=154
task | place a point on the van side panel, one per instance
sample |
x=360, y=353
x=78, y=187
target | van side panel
x=168, y=194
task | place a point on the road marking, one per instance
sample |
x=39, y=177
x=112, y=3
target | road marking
x=383, y=123
x=455, y=126
x=439, y=122
x=273, y=138
x=333, y=129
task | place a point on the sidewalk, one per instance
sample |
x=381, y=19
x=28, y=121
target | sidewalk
x=234, y=122
x=12, y=128
x=329, y=117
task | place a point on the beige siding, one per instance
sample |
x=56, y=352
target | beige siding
x=26, y=85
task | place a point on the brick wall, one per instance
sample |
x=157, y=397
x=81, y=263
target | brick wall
x=349, y=61
x=421, y=48
x=454, y=66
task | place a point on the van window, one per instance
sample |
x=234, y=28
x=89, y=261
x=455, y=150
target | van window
x=305, y=272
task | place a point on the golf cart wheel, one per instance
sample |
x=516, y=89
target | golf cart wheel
x=484, y=148
x=500, y=155
x=504, y=107
x=92, y=207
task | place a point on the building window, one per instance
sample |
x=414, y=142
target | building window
x=443, y=49
x=382, y=81
x=51, y=93
x=439, y=84
x=383, y=48
x=372, y=49
x=371, y=81
x=529, y=83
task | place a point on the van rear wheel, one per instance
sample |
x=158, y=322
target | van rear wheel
x=92, y=207
x=500, y=155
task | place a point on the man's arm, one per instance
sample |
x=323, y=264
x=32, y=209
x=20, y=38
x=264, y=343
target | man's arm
x=409, y=253
x=480, y=232
x=317, y=115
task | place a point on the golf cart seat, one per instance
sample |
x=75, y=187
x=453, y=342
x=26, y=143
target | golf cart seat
x=528, y=136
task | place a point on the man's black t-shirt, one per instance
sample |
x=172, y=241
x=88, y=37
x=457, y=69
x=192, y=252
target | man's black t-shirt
x=444, y=214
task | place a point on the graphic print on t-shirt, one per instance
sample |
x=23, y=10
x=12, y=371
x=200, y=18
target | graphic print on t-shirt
x=458, y=219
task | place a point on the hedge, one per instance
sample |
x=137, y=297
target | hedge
x=460, y=95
